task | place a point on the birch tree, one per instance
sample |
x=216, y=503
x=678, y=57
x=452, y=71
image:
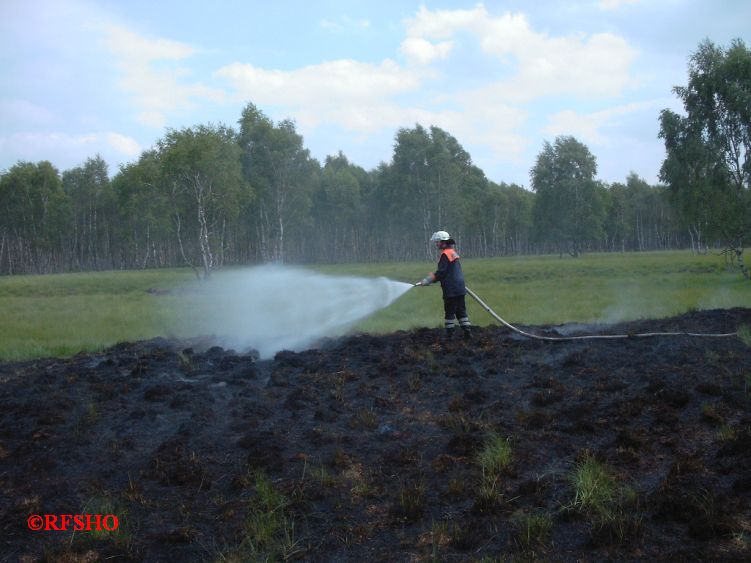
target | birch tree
x=568, y=209
x=708, y=161
x=202, y=180
x=276, y=164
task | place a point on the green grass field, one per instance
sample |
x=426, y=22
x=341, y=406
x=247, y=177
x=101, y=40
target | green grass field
x=58, y=315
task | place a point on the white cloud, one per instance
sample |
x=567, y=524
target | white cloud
x=361, y=97
x=330, y=25
x=364, y=98
x=587, y=126
x=350, y=93
x=598, y=65
x=24, y=112
x=443, y=24
x=133, y=47
x=67, y=150
x=422, y=51
x=48, y=140
x=156, y=90
x=122, y=144
x=154, y=119
x=494, y=126
x=344, y=23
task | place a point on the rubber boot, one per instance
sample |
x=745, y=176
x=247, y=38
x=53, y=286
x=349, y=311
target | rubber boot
x=450, y=333
x=467, y=333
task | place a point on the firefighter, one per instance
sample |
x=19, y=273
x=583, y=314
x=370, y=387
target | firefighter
x=449, y=273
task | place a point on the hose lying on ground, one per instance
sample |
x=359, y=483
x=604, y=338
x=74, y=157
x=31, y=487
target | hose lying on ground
x=592, y=336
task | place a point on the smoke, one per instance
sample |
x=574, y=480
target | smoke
x=272, y=308
x=637, y=300
x=721, y=298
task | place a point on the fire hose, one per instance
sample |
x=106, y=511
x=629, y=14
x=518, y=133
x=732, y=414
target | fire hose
x=592, y=336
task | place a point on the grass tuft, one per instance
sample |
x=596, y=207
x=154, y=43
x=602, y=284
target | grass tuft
x=269, y=533
x=122, y=536
x=531, y=528
x=412, y=499
x=495, y=457
x=744, y=333
x=594, y=486
x=613, y=509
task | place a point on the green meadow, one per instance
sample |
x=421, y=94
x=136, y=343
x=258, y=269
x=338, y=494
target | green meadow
x=62, y=314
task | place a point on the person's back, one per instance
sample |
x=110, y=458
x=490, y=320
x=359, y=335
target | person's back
x=449, y=273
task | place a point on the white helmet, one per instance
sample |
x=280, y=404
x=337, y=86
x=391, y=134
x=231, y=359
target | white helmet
x=440, y=235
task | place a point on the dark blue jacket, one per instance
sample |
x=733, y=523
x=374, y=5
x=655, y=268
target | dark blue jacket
x=449, y=273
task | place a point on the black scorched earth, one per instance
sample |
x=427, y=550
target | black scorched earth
x=388, y=448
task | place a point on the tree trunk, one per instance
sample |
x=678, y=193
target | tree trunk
x=146, y=254
x=182, y=249
x=741, y=265
x=202, y=192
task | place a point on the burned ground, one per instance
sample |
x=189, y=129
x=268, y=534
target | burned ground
x=388, y=448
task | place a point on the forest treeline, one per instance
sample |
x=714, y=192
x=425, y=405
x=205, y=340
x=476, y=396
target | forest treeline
x=209, y=196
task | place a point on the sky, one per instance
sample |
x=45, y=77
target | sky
x=80, y=78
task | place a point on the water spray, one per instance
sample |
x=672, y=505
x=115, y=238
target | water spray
x=273, y=307
x=591, y=336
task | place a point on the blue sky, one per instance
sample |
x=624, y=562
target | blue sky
x=81, y=78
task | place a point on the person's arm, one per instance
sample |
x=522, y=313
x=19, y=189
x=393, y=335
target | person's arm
x=443, y=268
x=439, y=274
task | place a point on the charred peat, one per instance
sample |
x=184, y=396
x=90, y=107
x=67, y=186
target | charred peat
x=388, y=448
